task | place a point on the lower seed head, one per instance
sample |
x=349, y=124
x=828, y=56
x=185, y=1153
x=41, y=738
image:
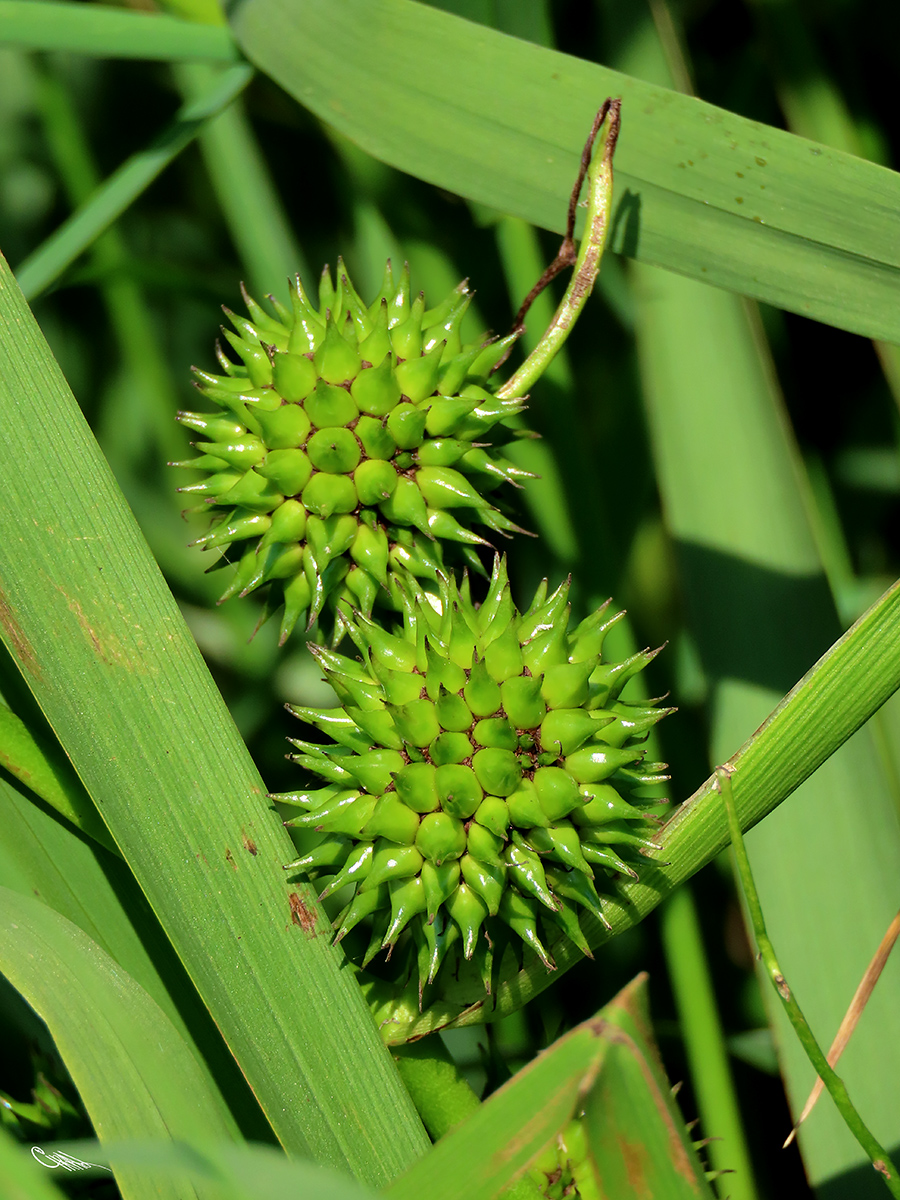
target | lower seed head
x=480, y=785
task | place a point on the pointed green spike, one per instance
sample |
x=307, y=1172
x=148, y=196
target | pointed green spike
x=520, y=915
x=446, y=311
x=407, y=901
x=567, y=919
x=602, y=856
x=524, y=807
x=418, y=376
x=604, y=804
x=468, y=910
x=527, y=872
x=267, y=327
x=486, y=880
x=398, y=302
x=566, y=684
x=490, y=355
x=352, y=303
x=445, y=527
x=391, y=861
x=562, y=843
x=363, y=905
x=337, y=360
x=608, y=679
x=216, y=429
x=354, y=869
x=254, y=357
x=326, y=291
x=297, y=596
x=406, y=334
x=241, y=524
x=406, y=506
x=595, y=763
x=325, y=857
x=309, y=328
x=574, y=885
x=394, y=820
x=440, y=882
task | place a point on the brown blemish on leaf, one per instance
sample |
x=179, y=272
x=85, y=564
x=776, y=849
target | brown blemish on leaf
x=229, y=859
x=635, y=1159
x=108, y=648
x=678, y=1153
x=249, y=844
x=19, y=643
x=302, y=915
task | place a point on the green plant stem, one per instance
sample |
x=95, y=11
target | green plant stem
x=443, y=1098
x=124, y=186
x=438, y=1089
x=587, y=263
x=880, y=1159
x=705, y=1043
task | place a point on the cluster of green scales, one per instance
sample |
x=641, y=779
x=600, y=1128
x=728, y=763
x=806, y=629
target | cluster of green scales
x=482, y=782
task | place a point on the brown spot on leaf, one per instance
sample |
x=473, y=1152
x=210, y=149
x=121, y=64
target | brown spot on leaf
x=229, y=859
x=635, y=1160
x=19, y=643
x=302, y=915
x=249, y=844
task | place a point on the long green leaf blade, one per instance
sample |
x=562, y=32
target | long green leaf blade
x=630, y=1097
x=111, y=33
x=699, y=190
x=133, y=1071
x=106, y=653
x=480, y=1158
x=41, y=856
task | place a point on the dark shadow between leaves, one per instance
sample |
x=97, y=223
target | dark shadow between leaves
x=754, y=624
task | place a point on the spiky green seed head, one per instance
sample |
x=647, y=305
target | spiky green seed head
x=485, y=777
x=349, y=445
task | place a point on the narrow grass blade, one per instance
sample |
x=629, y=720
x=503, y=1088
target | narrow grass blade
x=111, y=33
x=106, y=653
x=133, y=1072
x=124, y=186
x=700, y=190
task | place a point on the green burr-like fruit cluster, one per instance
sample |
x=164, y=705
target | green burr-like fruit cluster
x=484, y=774
x=349, y=444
